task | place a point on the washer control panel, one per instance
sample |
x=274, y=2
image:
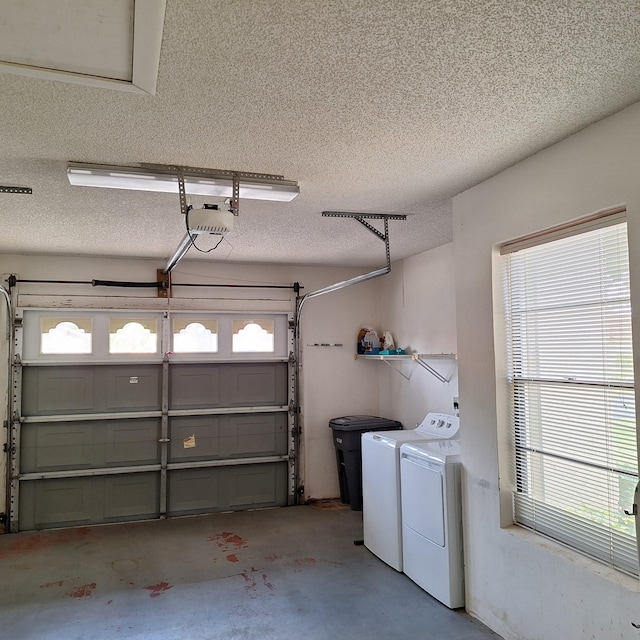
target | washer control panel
x=442, y=425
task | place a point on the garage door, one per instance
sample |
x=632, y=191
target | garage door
x=124, y=416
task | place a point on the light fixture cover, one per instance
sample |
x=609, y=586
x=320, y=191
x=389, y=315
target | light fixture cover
x=143, y=179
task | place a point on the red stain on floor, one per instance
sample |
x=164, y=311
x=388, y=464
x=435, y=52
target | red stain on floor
x=229, y=541
x=29, y=543
x=252, y=584
x=232, y=557
x=157, y=589
x=267, y=584
x=58, y=583
x=83, y=591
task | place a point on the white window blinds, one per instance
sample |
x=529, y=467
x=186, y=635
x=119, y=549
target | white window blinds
x=572, y=390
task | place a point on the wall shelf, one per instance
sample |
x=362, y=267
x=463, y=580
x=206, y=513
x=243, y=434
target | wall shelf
x=419, y=358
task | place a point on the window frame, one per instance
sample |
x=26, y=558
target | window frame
x=540, y=516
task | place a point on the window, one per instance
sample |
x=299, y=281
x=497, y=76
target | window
x=571, y=379
x=133, y=335
x=65, y=335
x=195, y=335
x=253, y=336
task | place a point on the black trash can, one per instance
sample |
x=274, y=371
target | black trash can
x=347, y=434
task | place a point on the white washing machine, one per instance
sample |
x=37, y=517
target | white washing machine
x=432, y=519
x=381, y=509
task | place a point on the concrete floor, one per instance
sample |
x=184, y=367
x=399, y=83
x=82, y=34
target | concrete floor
x=276, y=573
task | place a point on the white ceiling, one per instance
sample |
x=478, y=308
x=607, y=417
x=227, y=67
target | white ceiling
x=389, y=106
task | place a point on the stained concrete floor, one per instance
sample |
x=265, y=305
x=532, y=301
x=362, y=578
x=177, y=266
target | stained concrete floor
x=276, y=573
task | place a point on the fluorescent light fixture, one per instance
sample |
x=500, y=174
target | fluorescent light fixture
x=200, y=183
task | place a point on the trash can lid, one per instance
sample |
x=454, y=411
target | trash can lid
x=361, y=422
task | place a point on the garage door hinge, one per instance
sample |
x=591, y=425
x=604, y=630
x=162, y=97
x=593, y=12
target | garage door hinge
x=16, y=360
x=292, y=358
x=293, y=409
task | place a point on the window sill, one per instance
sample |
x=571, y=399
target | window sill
x=599, y=569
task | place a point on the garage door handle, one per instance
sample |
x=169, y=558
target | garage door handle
x=164, y=440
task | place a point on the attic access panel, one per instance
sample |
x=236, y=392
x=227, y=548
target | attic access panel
x=114, y=45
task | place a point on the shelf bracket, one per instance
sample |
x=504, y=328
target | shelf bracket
x=417, y=358
x=404, y=375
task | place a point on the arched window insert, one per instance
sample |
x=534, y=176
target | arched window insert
x=255, y=335
x=133, y=335
x=65, y=335
x=195, y=335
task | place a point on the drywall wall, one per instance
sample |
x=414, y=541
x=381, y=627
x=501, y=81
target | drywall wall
x=333, y=384
x=417, y=304
x=521, y=585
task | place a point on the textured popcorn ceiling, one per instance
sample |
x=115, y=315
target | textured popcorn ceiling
x=371, y=105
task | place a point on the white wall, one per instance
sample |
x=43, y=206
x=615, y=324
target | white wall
x=417, y=304
x=520, y=584
x=333, y=383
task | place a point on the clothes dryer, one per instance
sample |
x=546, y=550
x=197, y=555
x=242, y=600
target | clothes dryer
x=432, y=551
x=381, y=507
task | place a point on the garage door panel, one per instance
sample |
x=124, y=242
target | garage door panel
x=57, y=390
x=56, y=503
x=131, y=442
x=132, y=388
x=91, y=389
x=227, y=488
x=194, y=386
x=65, y=502
x=256, y=384
x=248, y=435
x=194, y=491
x=194, y=438
x=131, y=496
x=212, y=385
x=53, y=446
x=89, y=444
x=227, y=436
x=257, y=485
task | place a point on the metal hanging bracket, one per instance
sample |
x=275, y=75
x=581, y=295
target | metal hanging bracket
x=234, y=176
x=181, y=192
x=24, y=190
x=361, y=218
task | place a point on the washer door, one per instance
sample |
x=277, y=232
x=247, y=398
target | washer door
x=423, y=497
